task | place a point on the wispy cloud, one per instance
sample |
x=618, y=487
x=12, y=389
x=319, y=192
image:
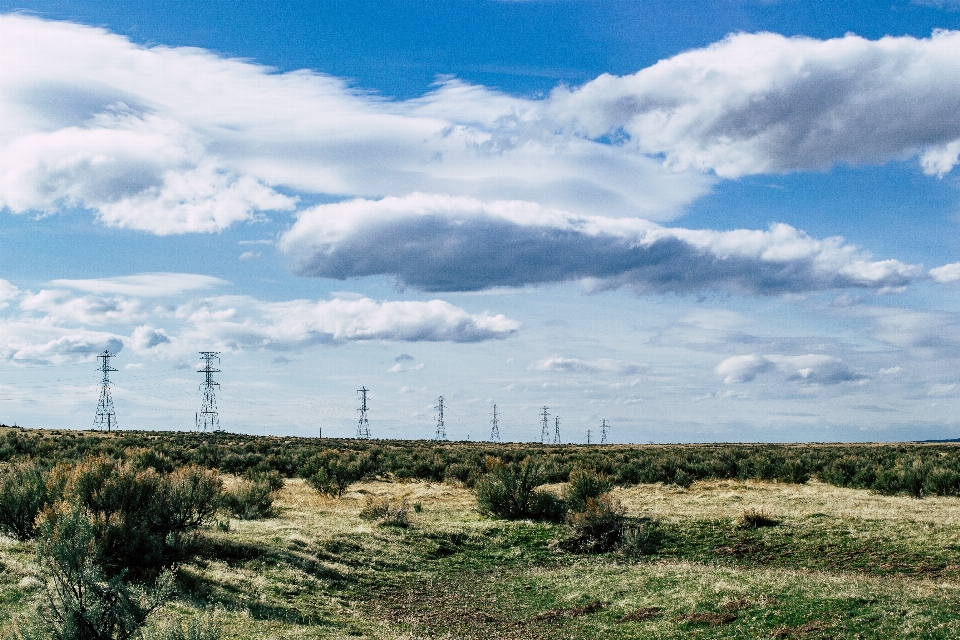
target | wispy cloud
x=805, y=369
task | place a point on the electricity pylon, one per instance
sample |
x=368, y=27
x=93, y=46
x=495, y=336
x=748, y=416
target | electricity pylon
x=495, y=430
x=603, y=432
x=363, y=427
x=545, y=427
x=556, y=432
x=441, y=429
x=106, y=417
x=208, y=419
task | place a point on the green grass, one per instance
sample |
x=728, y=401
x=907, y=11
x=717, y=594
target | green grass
x=842, y=563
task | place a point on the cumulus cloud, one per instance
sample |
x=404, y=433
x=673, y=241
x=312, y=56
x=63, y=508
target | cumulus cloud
x=63, y=306
x=947, y=273
x=442, y=243
x=8, y=292
x=240, y=321
x=761, y=103
x=145, y=338
x=144, y=285
x=42, y=343
x=597, y=365
x=806, y=369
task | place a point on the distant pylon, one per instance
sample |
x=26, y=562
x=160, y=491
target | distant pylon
x=588, y=436
x=363, y=427
x=495, y=430
x=441, y=430
x=603, y=432
x=545, y=427
x=106, y=417
x=556, y=431
x=208, y=419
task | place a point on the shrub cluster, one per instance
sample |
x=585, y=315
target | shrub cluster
x=251, y=498
x=332, y=465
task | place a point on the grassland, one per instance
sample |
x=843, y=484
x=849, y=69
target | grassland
x=840, y=563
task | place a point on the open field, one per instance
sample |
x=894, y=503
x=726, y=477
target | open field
x=841, y=563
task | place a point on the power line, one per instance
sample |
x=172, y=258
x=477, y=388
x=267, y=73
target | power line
x=208, y=419
x=106, y=417
x=363, y=427
x=495, y=431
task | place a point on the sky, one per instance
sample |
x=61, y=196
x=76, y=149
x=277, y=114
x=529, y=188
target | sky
x=726, y=221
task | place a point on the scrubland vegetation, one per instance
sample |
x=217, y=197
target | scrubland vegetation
x=192, y=536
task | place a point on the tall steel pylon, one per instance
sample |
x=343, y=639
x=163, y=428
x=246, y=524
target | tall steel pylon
x=495, y=429
x=603, y=432
x=208, y=419
x=106, y=417
x=588, y=436
x=441, y=429
x=545, y=427
x=363, y=427
x=556, y=432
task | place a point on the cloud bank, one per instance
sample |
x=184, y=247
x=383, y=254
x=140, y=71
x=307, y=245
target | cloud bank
x=442, y=243
x=56, y=325
x=177, y=140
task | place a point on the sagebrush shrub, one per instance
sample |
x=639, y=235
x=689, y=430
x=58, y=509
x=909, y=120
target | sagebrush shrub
x=82, y=602
x=23, y=494
x=205, y=627
x=508, y=490
x=596, y=528
x=249, y=499
x=331, y=474
x=386, y=513
x=585, y=484
x=756, y=518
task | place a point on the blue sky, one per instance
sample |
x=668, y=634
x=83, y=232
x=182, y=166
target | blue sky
x=700, y=221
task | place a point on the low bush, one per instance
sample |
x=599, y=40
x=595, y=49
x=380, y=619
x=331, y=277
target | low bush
x=82, y=602
x=585, y=484
x=23, y=494
x=596, y=528
x=331, y=474
x=205, y=627
x=755, y=519
x=385, y=513
x=249, y=499
x=509, y=491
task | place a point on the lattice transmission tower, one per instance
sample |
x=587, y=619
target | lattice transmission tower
x=363, y=427
x=603, y=432
x=441, y=429
x=208, y=419
x=106, y=417
x=495, y=429
x=588, y=436
x=544, y=426
x=556, y=431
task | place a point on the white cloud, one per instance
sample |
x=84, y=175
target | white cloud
x=807, y=369
x=32, y=342
x=249, y=255
x=947, y=273
x=145, y=285
x=762, y=103
x=63, y=306
x=172, y=140
x=442, y=243
x=8, y=292
x=145, y=337
x=596, y=365
x=238, y=322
